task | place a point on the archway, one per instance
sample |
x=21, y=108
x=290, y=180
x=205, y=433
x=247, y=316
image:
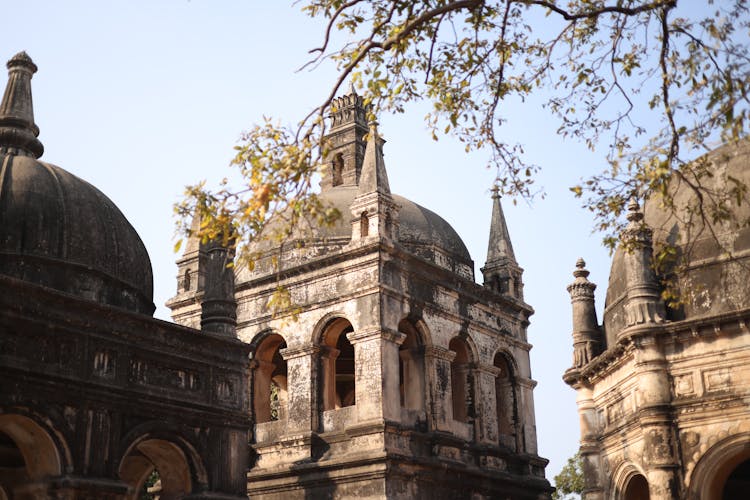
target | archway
x=270, y=380
x=27, y=453
x=411, y=368
x=722, y=469
x=636, y=488
x=337, y=366
x=505, y=402
x=461, y=391
x=157, y=459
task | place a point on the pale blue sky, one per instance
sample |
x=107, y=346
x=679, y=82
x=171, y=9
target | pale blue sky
x=141, y=98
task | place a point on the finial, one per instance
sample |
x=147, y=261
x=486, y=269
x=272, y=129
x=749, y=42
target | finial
x=634, y=210
x=495, y=189
x=352, y=90
x=581, y=271
x=18, y=132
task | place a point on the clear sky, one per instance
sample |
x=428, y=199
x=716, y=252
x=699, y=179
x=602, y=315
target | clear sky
x=141, y=98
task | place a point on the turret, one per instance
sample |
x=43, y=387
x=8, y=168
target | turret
x=643, y=303
x=374, y=212
x=345, y=142
x=587, y=337
x=218, y=305
x=501, y=271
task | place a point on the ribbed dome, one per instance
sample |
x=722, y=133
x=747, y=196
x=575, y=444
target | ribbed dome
x=57, y=230
x=713, y=283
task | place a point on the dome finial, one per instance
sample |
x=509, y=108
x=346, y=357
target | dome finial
x=18, y=132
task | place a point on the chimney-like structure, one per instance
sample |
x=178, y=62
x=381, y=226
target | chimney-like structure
x=374, y=213
x=643, y=303
x=18, y=132
x=587, y=337
x=218, y=305
x=345, y=143
x=501, y=272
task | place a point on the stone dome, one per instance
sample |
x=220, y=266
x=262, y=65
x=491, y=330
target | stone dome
x=57, y=230
x=713, y=283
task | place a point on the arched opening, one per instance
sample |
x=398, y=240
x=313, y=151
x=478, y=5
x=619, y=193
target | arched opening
x=411, y=368
x=270, y=380
x=636, y=488
x=505, y=402
x=737, y=484
x=27, y=453
x=461, y=387
x=156, y=468
x=337, y=366
x=337, y=170
x=364, y=225
x=186, y=280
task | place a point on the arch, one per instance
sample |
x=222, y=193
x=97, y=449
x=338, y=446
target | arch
x=506, y=400
x=177, y=462
x=628, y=482
x=338, y=387
x=269, y=377
x=364, y=225
x=337, y=170
x=29, y=451
x=716, y=466
x=411, y=367
x=462, y=397
x=186, y=280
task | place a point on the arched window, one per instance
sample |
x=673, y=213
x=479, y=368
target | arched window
x=738, y=482
x=505, y=401
x=461, y=386
x=186, y=280
x=269, y=380
x=637, y=488
x=337, y=170
x=337, y=366
x=364, y=225
x=411, y=368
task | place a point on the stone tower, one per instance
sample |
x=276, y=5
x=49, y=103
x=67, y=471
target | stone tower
x=663, y=393
x=401, y=377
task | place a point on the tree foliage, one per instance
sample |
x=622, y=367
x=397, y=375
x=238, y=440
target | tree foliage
x=570, y=480
x=684, y=67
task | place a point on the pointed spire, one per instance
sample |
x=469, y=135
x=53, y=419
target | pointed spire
x=501, y=271
x=374, y=177
x=587, y=338
x=18, y=132
x=499, y=247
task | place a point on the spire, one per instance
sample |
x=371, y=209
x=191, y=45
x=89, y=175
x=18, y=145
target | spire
x=374, y=177
x=643, y=303
x=501, y=271
x=18, y=132
x=587, y=342
x=499, y=248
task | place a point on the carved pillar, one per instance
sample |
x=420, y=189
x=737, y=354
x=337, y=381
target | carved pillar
x=376, y=362
x=440, y=411
x=653, y=398
x=486, y=405
x=301, y=386
x=590, y=451
x=587, y=338
x=218, y=306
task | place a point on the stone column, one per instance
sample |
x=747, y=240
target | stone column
x=440, y=411
x=653, y=398
x=486, y=426
x=590, y=452
x=327, y=376
x=376, y=374
x=412, y=361
x=301, y=386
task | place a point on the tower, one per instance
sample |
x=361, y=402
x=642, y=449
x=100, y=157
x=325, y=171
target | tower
x=401, y=377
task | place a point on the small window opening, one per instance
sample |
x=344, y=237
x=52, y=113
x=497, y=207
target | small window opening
x=337, y=170
x=364, y=225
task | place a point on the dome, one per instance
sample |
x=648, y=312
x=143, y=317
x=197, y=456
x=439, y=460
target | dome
x=57, y=230
x=712, y=283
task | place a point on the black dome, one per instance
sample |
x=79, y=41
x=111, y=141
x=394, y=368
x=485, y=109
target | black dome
x=57, y=230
